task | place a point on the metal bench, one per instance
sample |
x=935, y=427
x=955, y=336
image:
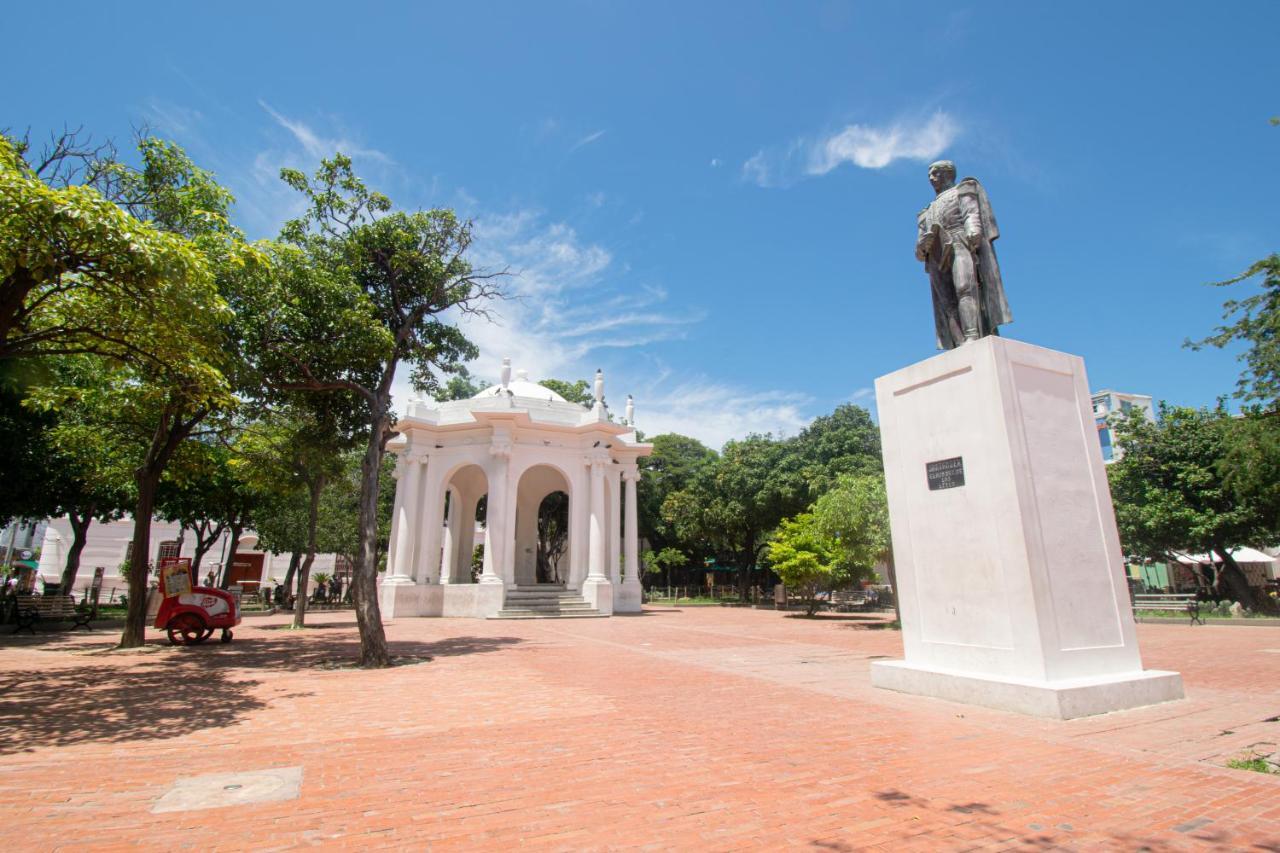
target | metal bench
x=1181, y=603
x=847, y=601
x=31, y=609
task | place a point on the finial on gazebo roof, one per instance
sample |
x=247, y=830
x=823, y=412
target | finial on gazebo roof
x=599, y=385
x=506, y=372
x=631, y=411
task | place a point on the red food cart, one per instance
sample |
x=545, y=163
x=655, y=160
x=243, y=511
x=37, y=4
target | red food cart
x=189, y=613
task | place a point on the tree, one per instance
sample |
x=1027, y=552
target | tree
x=52, y=468
x=667, y=559
x=302, y=446
x=80, y=275
x=1255, y=322
x=805, y=558
x=461, y=386
x=845, y=442
x=855, y=513
x=672, y=467
x=732, y=504
x=207, y=497
x=575, y=392
x=1170, y=494
x=364, y=289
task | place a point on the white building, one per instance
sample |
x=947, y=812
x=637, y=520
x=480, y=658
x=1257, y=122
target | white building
x=514, y=445
x=110, y=545
x=1106, y=403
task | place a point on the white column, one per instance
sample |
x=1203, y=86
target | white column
x=448, y=558
x=498, y=506
x=631, y=542
x=396, y=510
x=598, y=525
x=615, y=524
x=597, y=589
x=430, y=522
x=405, y=520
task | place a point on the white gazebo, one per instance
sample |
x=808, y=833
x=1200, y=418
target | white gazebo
x=544, y=487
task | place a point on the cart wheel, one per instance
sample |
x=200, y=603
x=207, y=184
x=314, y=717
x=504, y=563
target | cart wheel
x=226, y=635
x=186, y=629
x=208, y=632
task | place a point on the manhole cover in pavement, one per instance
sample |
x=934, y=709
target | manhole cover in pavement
x=217, y=790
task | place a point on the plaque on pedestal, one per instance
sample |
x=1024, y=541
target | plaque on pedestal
x=1011, y=580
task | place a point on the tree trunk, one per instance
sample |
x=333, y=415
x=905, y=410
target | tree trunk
x=294, y=560
x=135, y=626
x=304, y=574
x=236, y=530
x=80, y=522
x=364, y=581
x=170, y=431
x=1231, y=577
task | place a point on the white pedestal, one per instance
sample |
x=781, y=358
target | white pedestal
x=1010, y=577
x=598, y=592
x=399, y=600
x=628, y=598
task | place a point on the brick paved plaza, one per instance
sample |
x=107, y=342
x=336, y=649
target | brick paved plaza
x=701, y=728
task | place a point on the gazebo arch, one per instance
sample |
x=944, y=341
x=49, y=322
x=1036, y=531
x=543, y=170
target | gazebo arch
x=537, y=484
x=512, y=445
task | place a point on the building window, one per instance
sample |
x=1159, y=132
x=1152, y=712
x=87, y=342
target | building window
x=1104, y=435
x=1125, y=405
x=169, y=549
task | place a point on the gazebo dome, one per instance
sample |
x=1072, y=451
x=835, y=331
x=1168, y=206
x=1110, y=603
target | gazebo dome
x=522, y=386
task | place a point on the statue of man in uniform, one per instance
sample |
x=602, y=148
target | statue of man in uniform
x=955, y=239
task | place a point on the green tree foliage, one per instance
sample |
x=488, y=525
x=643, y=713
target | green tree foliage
x=53, y=468
x=78, y=274
x=805, y=558
x=1255, y=322
x=578, y=391
x=845, y=442
x=462, y=386
x=735, y=500
x=733, y=503
x=301, y=449
x=855, y=513
x=675, y=462
x=361, y=290
x=1171, y=496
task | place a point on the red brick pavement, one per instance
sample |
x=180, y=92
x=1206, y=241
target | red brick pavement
x=708, y=729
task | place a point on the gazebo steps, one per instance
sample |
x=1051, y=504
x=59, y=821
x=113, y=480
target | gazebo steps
x=545, y=602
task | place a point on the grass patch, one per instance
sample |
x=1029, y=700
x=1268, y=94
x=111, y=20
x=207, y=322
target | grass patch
x=1257, y=765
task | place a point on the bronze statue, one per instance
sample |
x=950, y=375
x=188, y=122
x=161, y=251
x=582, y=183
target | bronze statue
x=955, y=238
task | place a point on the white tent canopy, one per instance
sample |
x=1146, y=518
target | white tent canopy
x=1240, y=555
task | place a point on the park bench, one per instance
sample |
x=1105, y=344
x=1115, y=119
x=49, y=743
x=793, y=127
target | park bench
x=846, y=601
x=1180, y=603
x=30, y=609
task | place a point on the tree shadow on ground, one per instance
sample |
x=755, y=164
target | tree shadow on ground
x=837, y=617
x=94, y=703
x=986, y=828
x=302, y=650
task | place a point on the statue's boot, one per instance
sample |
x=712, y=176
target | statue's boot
x=969, y=318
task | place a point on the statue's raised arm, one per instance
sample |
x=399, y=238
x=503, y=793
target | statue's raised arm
x=955, y=238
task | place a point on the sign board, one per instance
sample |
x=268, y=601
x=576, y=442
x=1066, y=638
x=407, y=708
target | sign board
x=97, y=578
x=945, y=473
x=711, y=579
x=175, y=576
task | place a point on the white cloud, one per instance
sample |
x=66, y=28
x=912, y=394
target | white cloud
x=756, y=169
x=317, y=147
x=586, y=140
x=715, y=162
x=877, y=147
x=714, y=412
x=865, y=146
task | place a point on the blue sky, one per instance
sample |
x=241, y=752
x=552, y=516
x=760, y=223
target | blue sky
x=715, y=202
